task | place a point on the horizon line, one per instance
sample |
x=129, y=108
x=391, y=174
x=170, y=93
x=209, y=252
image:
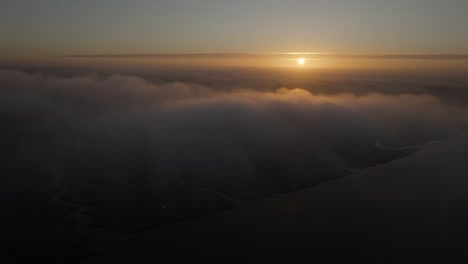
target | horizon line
x=241, y=55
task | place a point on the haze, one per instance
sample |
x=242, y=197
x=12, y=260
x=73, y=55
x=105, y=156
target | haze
x=59, y=27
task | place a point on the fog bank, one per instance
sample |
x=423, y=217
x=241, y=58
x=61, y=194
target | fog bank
x=126, y=145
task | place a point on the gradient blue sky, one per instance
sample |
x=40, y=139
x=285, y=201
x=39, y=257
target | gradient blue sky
x=54, y=27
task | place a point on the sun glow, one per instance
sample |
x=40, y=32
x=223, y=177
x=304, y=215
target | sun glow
x=301, y=61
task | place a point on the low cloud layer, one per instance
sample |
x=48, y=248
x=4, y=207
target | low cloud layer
x=126, y=145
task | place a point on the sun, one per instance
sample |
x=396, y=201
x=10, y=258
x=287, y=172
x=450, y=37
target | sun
x=301, y=61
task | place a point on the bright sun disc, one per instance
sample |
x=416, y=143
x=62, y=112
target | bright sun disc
x=301, y=61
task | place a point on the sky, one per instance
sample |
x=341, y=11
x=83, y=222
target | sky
x=77, y=27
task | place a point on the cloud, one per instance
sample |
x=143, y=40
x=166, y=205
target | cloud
x=124, y=144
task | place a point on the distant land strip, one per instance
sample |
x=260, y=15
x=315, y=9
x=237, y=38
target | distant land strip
x=278, y=56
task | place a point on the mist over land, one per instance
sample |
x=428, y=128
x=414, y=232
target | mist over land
x=133, y=147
